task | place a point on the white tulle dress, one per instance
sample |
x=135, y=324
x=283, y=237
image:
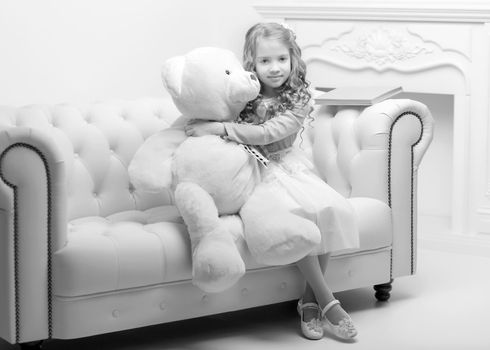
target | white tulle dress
x=291, y=180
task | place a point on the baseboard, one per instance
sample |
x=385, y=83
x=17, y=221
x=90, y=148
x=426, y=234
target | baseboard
x=434, y=233
x=448, y=242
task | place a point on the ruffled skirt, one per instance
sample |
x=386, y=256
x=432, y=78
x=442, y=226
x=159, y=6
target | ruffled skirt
x=292, y=181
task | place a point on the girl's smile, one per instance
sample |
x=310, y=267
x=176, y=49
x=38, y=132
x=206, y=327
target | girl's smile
x=275, y=77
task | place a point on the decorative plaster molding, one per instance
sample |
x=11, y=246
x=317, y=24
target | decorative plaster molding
x=392, y=67
x=382, y=45
x=459, y=52
x=420, y=11
x=383, y=48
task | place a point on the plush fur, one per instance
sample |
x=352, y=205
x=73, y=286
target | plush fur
x=216, y=179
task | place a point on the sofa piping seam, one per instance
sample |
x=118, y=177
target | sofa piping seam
x=411, y=185
x=16, y=239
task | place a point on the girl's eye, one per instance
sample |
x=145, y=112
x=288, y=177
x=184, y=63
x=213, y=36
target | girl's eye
x=227, y=72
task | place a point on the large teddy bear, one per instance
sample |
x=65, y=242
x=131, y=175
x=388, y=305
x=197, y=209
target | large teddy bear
x=215, y=179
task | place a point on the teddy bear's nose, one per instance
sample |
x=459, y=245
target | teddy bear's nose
x=253, y=77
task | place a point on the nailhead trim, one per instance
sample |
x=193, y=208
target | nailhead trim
x=409, y=113
x=16, y=240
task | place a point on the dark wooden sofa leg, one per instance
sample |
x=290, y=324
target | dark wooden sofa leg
x=35, y=345
x=383, y=291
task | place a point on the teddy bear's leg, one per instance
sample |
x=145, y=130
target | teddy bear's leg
x=274, y=234
x=216, y=261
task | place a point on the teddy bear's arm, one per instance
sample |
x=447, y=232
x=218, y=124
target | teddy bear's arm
x=151, y=167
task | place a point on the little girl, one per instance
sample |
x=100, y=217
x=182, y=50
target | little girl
x=271, y=123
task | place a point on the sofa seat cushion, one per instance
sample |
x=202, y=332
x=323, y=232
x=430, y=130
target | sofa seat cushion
x=374, y=222
x=125, y=250
x=134, y=249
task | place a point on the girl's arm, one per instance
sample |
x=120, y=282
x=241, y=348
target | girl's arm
x=275, y=129
x=196, y=128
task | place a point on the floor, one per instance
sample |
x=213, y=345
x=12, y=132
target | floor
x=446, y=305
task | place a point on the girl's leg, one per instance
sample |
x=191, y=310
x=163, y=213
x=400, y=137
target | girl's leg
x=311, y=269
x=309, y=295
x=323, y=261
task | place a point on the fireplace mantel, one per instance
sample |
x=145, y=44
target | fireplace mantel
x=430, y=47
x=415, y=10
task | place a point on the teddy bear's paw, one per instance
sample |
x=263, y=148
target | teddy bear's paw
x=212, y=282
x=216, y=264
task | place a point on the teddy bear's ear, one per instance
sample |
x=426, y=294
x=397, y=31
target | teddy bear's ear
x=172, y=71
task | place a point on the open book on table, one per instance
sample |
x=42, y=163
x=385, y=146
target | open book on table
x=356, y=95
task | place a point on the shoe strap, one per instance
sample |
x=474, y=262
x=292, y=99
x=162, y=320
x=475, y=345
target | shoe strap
x=329, y=306
x=308, y=306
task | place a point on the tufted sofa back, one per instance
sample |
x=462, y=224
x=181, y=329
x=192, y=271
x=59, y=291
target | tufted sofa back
x=353, y=149
x=349, y=146
x=335, y=146
x=98, y=142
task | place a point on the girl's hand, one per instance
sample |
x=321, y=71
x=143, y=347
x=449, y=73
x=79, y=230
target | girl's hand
x=201, y=128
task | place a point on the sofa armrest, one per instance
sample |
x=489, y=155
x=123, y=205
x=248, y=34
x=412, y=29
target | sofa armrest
x=33, y=224
x=405, y=129
x=394, y=125
x=375, y=152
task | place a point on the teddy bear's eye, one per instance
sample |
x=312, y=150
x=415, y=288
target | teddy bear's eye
x=227, y=72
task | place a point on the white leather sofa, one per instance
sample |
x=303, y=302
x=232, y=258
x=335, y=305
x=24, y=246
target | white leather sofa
x=83, y=253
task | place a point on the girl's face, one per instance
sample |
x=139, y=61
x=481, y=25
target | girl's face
x=272, y=64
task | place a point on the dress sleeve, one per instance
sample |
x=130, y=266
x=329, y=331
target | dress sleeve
x=274, y=129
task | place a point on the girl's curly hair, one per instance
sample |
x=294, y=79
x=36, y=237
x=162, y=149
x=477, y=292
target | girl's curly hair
x=294, y=92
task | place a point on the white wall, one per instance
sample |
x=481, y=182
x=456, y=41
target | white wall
x=79, y=51
x=435, y=174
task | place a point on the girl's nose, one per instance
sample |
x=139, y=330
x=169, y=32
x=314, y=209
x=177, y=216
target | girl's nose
x=274, y=68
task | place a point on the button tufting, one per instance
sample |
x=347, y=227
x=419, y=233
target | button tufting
x=350, y=273
x=115, y=313
x=88, y=117
x=283, y=285
x=163, y=306
x=244, y=291
x=204, y=299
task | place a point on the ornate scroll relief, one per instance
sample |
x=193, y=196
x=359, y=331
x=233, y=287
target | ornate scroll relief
x=381, y=45
x=381, y=48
